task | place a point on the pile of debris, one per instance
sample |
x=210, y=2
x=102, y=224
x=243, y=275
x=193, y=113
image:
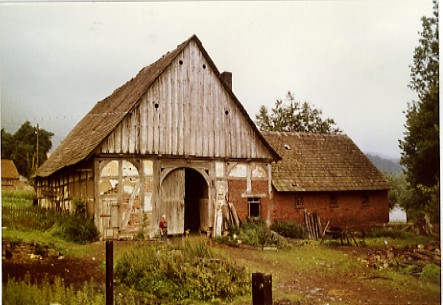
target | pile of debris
x=410, y=258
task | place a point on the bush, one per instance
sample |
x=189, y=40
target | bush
x=289, y=229
x=431, y=273
x=188, y=270
x=254, y=232
x=76, y=228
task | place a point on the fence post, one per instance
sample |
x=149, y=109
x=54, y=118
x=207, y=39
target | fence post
x=261, y=289
x=109, y=272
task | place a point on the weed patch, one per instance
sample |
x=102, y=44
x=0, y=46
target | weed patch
x=26, y=293
x=186, y=270
x=394, y=232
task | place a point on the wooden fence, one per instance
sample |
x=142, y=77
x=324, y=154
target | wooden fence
x=12, y=214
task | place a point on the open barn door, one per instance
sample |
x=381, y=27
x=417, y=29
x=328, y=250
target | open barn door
x=173, y=201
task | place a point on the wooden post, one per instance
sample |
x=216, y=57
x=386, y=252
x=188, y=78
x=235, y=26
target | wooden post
x=261, y=289
x=267, y=289
x=109, y=272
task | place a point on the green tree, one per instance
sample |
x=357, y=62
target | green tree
x=420, y=146
x=292, y=115
x=7, y=144
x=399, y=194
x=23, y=149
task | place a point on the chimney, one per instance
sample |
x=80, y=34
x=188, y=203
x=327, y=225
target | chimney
x=227, y=78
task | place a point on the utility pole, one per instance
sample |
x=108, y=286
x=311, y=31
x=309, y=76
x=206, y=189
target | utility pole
x=36, y=164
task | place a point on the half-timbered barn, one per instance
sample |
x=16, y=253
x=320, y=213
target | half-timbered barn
x=327, y=174
x=173, y=141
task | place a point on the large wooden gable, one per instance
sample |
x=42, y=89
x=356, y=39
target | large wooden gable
x=189, y=111
x=314, y=162
x=178, y=106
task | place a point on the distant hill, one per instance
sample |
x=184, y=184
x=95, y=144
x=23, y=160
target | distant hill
x=385, y=165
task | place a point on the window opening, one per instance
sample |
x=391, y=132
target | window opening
x=365, y=200
x=254, y=207
x=298, y=202
x=333, y=201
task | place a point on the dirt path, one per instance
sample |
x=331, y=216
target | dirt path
x=323, y=284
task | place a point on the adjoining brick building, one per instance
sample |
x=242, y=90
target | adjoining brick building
x=176, y=141
x=327, y=174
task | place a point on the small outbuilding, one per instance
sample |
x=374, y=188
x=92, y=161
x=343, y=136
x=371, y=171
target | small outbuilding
x=10, y=175
x=327, y=174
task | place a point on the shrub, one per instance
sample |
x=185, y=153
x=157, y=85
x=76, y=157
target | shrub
x=254, y=232
x=187, y=270
x=431, y=273
x=76, y=228
x=289, y=229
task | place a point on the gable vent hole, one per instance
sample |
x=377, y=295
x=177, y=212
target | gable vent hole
x=226, y=112
x=204, y=66
x=180, y=62
x=156, y=105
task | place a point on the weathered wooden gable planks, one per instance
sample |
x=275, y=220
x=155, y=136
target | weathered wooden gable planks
x=187, y=111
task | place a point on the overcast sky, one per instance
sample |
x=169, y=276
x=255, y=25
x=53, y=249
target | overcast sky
x=349, y=58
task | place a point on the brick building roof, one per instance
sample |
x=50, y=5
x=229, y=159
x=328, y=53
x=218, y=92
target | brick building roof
x=322, y=162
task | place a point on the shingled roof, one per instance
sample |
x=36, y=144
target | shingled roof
x=107, y=114
x=322, y=162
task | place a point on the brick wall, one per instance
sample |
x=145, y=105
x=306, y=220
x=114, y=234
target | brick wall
x=237, y=195
x=352, y=208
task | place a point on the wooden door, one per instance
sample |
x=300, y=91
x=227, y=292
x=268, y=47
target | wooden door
x=173, y=201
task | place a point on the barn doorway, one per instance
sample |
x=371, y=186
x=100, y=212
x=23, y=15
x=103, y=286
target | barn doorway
x=185, y=201
x=196, y=201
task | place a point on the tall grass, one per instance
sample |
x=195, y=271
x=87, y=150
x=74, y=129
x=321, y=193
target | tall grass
x=18, y=198
x=26, y=293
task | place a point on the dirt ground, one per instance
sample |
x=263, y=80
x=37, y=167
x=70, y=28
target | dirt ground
x=74, y=271
x=316, y=288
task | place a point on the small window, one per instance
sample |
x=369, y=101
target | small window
x=254, y=207
x=333, y=201
x=364, y=200
x=298, y=202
